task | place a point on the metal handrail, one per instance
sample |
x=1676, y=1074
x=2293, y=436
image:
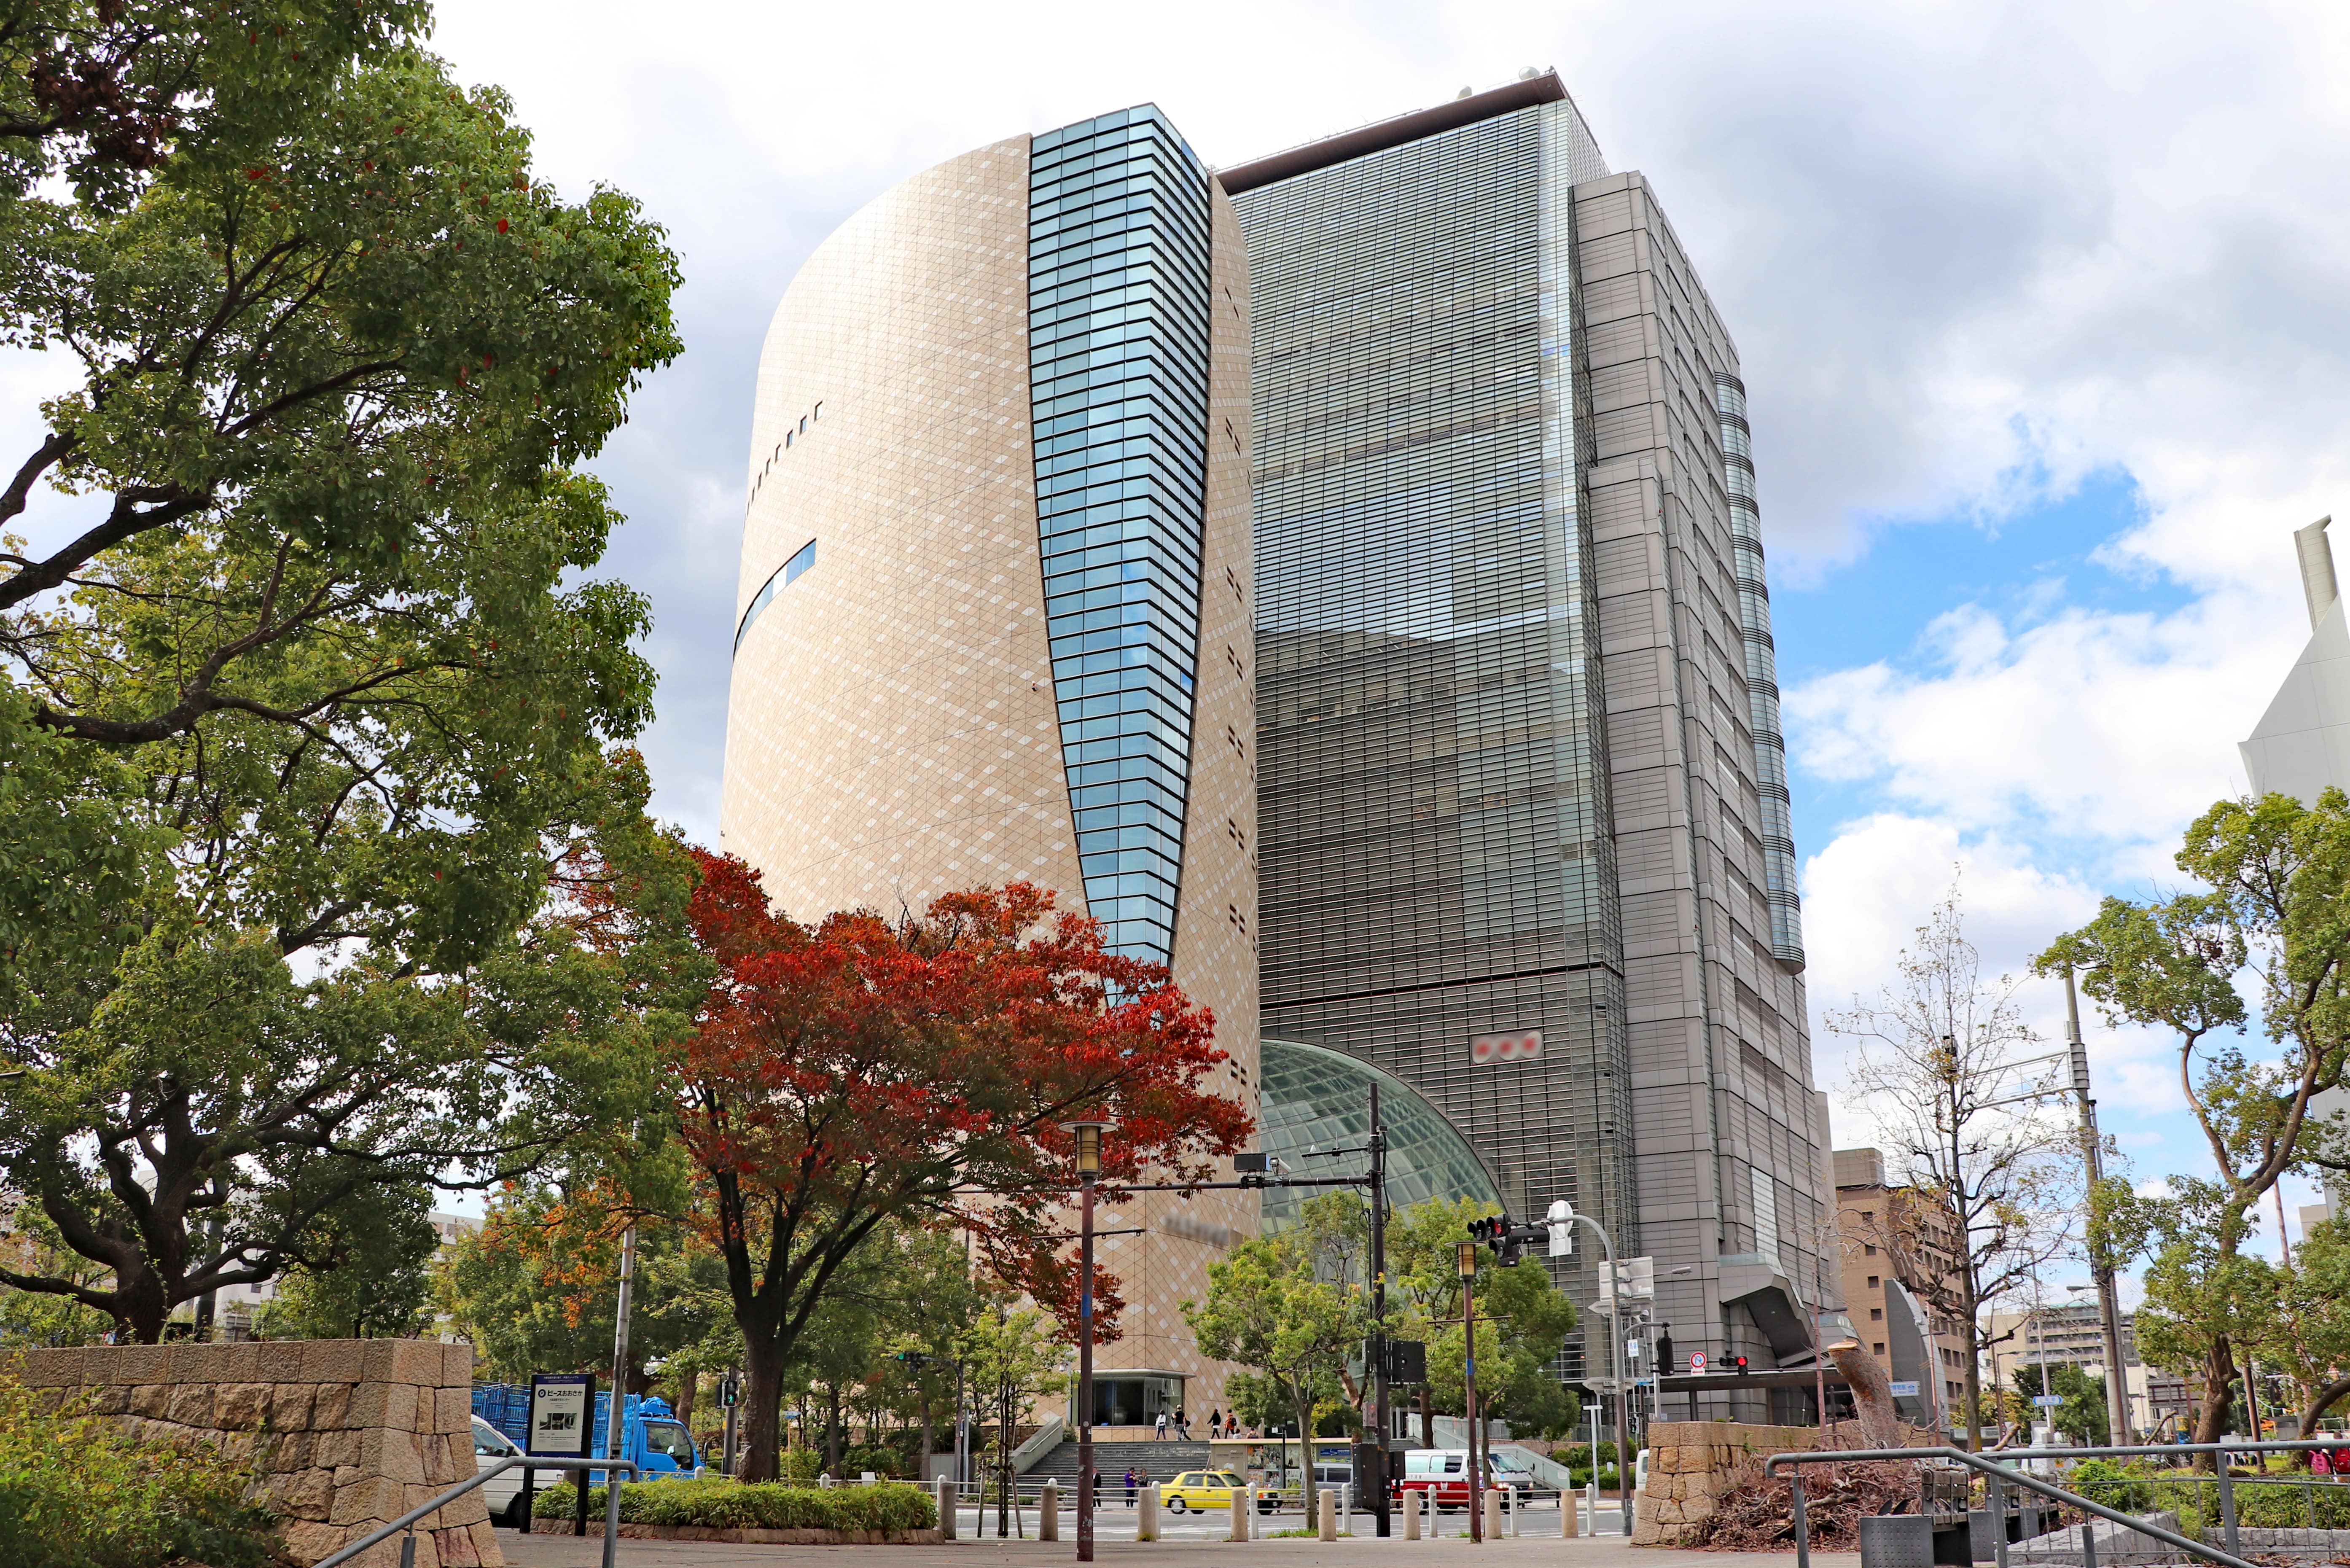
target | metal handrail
x=1999, y=1473
x=513, y=1461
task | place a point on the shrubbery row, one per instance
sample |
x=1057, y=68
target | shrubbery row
x=721, y=1504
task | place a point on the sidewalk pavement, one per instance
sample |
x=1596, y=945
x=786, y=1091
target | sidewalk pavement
x=1450, y=1552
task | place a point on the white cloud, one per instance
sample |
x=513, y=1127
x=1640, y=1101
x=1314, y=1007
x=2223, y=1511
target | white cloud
x=2109, y=727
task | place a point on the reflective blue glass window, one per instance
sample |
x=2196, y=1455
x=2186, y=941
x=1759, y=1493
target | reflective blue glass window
x=782, y=577
x=1117, y=332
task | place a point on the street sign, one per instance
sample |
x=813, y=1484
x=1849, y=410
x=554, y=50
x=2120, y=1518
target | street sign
x=561, y=1404
x=2048, y=1401
x=1905, y=1390
x=1524, y=1047
x=1697, y=1362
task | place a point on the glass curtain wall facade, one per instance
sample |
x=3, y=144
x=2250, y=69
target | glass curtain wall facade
x=1117, y=324
x=1519, y=772
x=1435, y=859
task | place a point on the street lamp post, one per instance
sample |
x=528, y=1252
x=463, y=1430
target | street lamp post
x=1086, y=1135
x=1467, y=1261
x=1562, y=1220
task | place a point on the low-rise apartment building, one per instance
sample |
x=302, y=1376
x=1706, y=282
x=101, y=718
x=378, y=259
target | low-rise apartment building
x=1902, y=1283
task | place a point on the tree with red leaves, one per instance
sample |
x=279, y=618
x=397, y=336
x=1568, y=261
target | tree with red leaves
x=858, y=1072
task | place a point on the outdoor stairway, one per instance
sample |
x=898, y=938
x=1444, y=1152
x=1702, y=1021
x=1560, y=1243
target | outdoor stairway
x=1151, y=1461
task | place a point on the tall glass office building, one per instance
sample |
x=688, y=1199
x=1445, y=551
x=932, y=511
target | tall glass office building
x=1523, y=816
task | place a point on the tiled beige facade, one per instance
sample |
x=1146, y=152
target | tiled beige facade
x=891, y=731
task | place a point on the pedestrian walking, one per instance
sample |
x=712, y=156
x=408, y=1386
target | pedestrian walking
x=1215, y=1419
x=1129, y=1486
x=1159, y=1431
x=1183, y=1425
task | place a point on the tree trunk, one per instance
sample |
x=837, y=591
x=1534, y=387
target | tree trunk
x=2319, y=1403
x=832, y=1429
x=763, y=1366
x=2219, y=1389
x=1974, y=1412
x=687, y=1386
x=1427, y=1421
x=922, y=1465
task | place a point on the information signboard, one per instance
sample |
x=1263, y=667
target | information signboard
x=1905, y=1390
x=562, y=1410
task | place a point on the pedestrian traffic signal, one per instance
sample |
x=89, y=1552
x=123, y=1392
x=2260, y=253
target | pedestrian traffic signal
x=1739, y=1362
x=730, y=1392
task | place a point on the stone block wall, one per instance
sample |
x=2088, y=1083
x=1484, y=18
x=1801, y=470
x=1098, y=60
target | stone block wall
x=348, y=1434
x=1692, y=1463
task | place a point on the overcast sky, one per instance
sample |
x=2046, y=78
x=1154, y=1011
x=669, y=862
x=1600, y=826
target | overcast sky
x=2041, y=309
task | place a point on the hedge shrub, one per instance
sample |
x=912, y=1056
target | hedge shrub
x=78, y=1492
x=721, y=1504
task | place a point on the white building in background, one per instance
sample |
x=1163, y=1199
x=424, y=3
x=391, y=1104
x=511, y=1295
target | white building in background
x=2302, y=743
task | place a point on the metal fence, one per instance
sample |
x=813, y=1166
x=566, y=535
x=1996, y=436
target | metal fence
x=1988, y=1477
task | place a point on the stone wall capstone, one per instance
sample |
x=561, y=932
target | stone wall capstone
x=348, y=1434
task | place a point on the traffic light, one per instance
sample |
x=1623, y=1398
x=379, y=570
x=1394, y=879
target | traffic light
x=1509, y=1242
x=1739, y=1361
x=1407, y=1361
x=913, y=1358
x=730, y=1392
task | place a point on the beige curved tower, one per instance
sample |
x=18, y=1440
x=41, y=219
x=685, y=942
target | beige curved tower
x=939, y=683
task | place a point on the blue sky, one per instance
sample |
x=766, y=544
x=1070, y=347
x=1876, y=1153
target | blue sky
x=2044, y=311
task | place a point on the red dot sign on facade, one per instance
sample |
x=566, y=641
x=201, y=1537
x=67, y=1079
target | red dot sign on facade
x=1490, y=1048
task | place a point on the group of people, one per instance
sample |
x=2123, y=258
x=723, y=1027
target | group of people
x=1179, y=1424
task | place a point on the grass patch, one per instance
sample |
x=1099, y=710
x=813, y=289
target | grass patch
x=718, y=1503
x=78, y=1492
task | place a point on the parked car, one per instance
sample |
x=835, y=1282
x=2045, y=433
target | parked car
x=503, y=1493
x=1443, y=1475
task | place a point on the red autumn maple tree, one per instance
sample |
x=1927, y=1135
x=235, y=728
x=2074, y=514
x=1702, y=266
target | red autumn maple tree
x=861, y=1072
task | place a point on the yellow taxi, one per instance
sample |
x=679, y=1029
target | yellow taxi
x=1200, y=1490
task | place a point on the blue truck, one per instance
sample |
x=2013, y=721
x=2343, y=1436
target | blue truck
x=651, y=1433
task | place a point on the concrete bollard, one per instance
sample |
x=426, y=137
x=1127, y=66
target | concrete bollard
x=1243, y=1511
x=1146, y=1516
x=1569, y=1526
x=1411, y=1516
x=1048, y=1512
x=1517, y=1509
x=1326, y=1514
x=943, y=1490
x=1491, y=1504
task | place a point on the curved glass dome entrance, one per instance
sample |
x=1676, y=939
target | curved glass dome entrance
x=1317, y=1098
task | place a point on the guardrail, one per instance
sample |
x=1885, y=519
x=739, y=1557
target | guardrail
x=408, y=1521
x=1996, y=1469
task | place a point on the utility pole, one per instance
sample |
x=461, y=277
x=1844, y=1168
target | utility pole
x=1467, y=1259
x=613, y=1444
x=1377, y=1453
x=2100, y=1267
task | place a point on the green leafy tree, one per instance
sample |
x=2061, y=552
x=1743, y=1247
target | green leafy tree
x=2082, y=1418
x=1016, y=1356
x=2308, y=1332
x=317, y=682
x=1280, y=1307
x=40, y=1318
x=1522, y=1319
x=2278, y=874
x=373, y=1279
x=536, y=1287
